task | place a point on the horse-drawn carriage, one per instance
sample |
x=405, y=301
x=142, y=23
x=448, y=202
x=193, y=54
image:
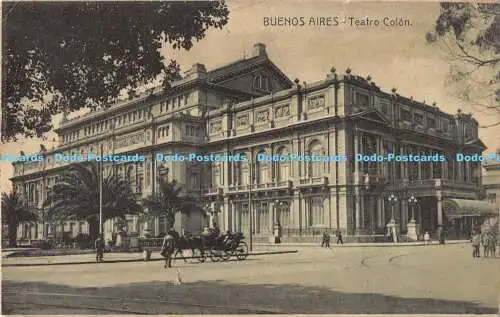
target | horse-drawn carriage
x=215, y=247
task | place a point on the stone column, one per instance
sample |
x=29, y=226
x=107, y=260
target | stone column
x=156, y=225
x=358, y=209
x=439, y=210
x=380, y=214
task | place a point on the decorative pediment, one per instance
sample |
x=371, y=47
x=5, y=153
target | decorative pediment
x=477, y=143
x=370, y=115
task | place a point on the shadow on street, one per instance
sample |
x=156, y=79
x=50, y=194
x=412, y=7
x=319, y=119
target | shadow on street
x=209, y=297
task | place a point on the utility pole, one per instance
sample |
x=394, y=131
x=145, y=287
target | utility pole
x=250, y=176
x=100, y=191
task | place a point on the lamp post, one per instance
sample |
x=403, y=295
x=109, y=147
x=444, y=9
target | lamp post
x=412, y=201
x=413, y=228
x=392, y=200
x=250, y=181
x=392, y=226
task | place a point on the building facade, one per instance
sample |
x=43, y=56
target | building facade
x=491, y=182
x=251, y=109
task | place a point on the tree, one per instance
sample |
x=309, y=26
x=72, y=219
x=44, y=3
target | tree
x=168, y=200
x=76, y=196
x=15, y=212
x=470, y=35
x=63, y=56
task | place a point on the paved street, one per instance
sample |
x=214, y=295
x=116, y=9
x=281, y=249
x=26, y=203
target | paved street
x=413, y=279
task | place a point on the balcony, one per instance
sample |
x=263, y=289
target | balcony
x=262, y=186
x=436, y=184
x=313, y=181
x=213, y=191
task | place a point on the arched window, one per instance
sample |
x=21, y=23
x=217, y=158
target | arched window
x=316, y=212
x=282, y=168
x=262, y=220
x=261, y=169
x=215, y=174
x=315, y=167
x=283, y=210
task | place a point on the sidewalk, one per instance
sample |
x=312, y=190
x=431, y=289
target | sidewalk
x=115, y=257
x=354, y=244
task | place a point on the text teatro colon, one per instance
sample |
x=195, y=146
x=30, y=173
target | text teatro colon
x=249, y=107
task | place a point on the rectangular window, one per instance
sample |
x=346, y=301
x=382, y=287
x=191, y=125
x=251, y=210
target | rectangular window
x=179, y=101
x=174, y=102
x=385, y=108
x=492, y=198
x=446, y=125
x=431, y=123
x=419, y=119
x=363, y=100
x=186, y=98
x=405, y=115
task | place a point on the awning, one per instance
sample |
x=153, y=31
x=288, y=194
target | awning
x=458, y=208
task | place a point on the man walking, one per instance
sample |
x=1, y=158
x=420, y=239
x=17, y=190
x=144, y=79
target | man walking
x=339, y=237
x=99, y=247
x=168, y=247
x=476, y=243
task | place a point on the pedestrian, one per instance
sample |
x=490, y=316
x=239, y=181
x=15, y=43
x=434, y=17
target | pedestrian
x=476, y=243
x=324, y=239
x=168, y=247
x=99, y=248
x=427, y=238
x=339, y=237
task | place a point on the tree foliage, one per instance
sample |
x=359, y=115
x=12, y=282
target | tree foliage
x=168, y=200
x=15, y=212
x=63, y=56
x=76, y=196
x=470, y=35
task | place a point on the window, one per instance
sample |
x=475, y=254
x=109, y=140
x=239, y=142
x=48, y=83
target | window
x=385, y=108
x=446, y=125
x=492, y=198
x=261, y=83
x=262, y=220
x=174, y=102
x=186, y=97
x=161, y=107
x=244, y=218
x=431, y=123
x=405, y=115
x=419, y=119
x=179, y=102
x=363, y=100
x=316, y=212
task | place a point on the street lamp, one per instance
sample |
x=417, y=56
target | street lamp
x=392, y=200
x=412, y=201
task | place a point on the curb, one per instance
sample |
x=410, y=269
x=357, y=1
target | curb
x=379, y=245
x=134, y=260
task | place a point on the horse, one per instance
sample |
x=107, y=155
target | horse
x=188, y=243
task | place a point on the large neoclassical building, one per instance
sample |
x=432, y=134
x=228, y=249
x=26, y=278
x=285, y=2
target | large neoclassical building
x=250, y=107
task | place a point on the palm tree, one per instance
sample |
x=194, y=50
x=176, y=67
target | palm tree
x=14, y=212
x=77, y=196
x=169, y=200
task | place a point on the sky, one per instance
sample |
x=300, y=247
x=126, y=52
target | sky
x=394, y=57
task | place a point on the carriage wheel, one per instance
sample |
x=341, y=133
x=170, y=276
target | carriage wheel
x=215, y=255
x=202, y=255
x=225, y=255
x=196, y=256
x=241, y=251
